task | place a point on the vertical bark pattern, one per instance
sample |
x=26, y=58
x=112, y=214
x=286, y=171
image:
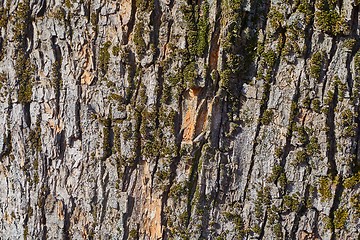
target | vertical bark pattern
x=163, y=119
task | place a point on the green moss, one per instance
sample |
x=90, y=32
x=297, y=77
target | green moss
x=197, y=28
x=355, y=204
x=305, y=7
x=116, y=50
x=59, y=14
x=237, y=220
x=341, y=88
x=3, y=79
x=23, y=67
x=300, y=158
x=293, y=110
x=24, y=71
x=152, y=148
x=352, y=181
x=4, y=18
x=349, y=131
x=183, y=217
x=192, y=31
x=267, y=117
x=30, y=212
x=139, y=39
x=177, y=190
x=256, y=229
x=278, y=231
x=347, y=117
x=329, y=99
x=94, y=20
x=328, y=19
x=166, y=94
x=26, y=232
x=316, y=64
x=203, y=30
x=270, y=58
x=35, y=137
x=340, y=217
x=325, y=188
x=302, y=135
x=117, y=139
x=56, y=80
x=22, y=17
x=116, y=97
x=145, y=5
x=265, y=95
x=225, y=78
x=190, y=75
x=104, y=57
x=260, y=48
x=282, y=180
x=313, y=147
x=279, y=175
x=292, y=202
x=349, y=43
x=107, y=148
x=276, y=171
x=133, y=234
x=275, y=18
x=316, y=105
x=68, y=3
x=36, y=177
x=263, y=200
x=306, y=102
x=328, y=223
x=127, y=133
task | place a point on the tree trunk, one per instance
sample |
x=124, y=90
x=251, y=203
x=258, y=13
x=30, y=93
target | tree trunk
x=163, y=119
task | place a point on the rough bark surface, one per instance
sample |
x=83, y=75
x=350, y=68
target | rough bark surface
x=164, y=119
